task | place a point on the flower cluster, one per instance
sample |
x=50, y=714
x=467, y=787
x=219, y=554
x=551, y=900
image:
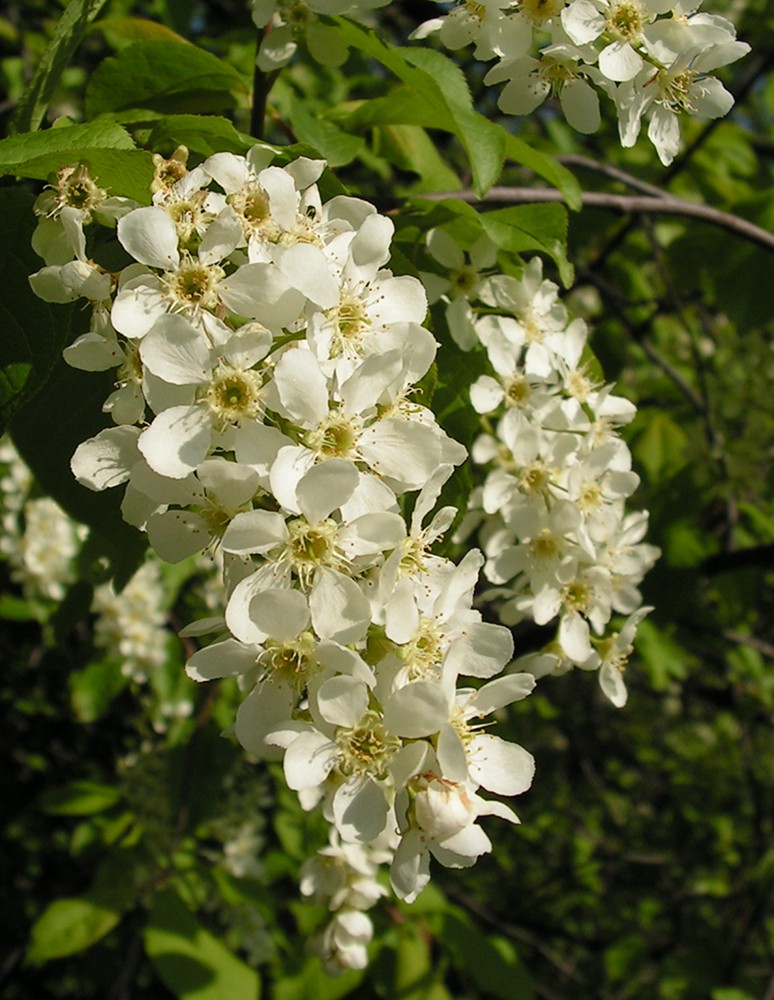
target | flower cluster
x=652, y=58
x=286, y=22
x=559, y=544
x=267, y=364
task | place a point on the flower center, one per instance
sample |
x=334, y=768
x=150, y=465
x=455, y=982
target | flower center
x=517, y=391
x=292, y=662
x=535, y=478
x=193, y=285
x=335, y=437
x=577, y=596
x=366, y=748
x=545, y=545
x=626, y=20
x=235, y=395
x=423, y=654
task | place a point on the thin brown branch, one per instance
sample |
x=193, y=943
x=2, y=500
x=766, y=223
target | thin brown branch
x=623, y=204
x=614, y=173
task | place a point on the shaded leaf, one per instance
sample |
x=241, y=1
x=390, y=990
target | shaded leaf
x=164, y=76
x=69, y=31
x=190, y=961
x=79, y=798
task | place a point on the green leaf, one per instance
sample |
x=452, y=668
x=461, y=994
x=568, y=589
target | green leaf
x=443, y=101
x=123, y=31
x=203, y=134
x=338, y=147
x=105, y=146
x=163, y=76
x=541, y=227
x=79, y=798
x=546, y=167
x=69, y=31
x=93, y=689
x=313, y=982
x=410, y=148
x=488, y=961
x=191, y=962
x=662, y=446
x=68, y=926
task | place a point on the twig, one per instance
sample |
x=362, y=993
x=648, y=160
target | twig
x=615, y=173
x=624, y=204
x=262, y=84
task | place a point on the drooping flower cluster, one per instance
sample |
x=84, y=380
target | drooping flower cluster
x=559, y=544
x=267, y=361
x=652, y=58
x=286, y=22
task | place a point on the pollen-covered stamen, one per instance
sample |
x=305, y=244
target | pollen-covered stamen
x=193, y=285
x=579, y=384
x=674, y=89
x=474, y=9
x=234, y=395
x=413, y=552
x=517, y=391
x=535, y=478
x=539, y=11
x=74, y=188
x=190, y=218
x=366, y=748
x=292, y=662
x=464, y=281
x=297, y=14
x=614, y=658
x=590, y=497
x=167, y=172
x=311, y=546
x=131, y=370
x=545, y=545
x=424, y=653
x=335, y=437
x=350, y=321
x=576, y=596
x=251, y=204
x=556, y=73
x=626, y=20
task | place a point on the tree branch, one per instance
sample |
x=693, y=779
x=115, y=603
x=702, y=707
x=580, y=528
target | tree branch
x=623, y=204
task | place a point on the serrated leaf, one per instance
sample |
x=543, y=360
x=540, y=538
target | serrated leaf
x=190, y=961
x=69, y=31
x=105, y=146
x=440, y=85
x=338, y=147
x=546, y=167
x=410, y=148
x=78, y=798
x=164, y=76
x=203, y=134
x=125, y=31
x=541, y=227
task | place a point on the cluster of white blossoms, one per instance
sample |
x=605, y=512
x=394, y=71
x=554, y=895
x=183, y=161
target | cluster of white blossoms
x=286, y=22
x=560, y=546
x=266, y=370
x=652, y=58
